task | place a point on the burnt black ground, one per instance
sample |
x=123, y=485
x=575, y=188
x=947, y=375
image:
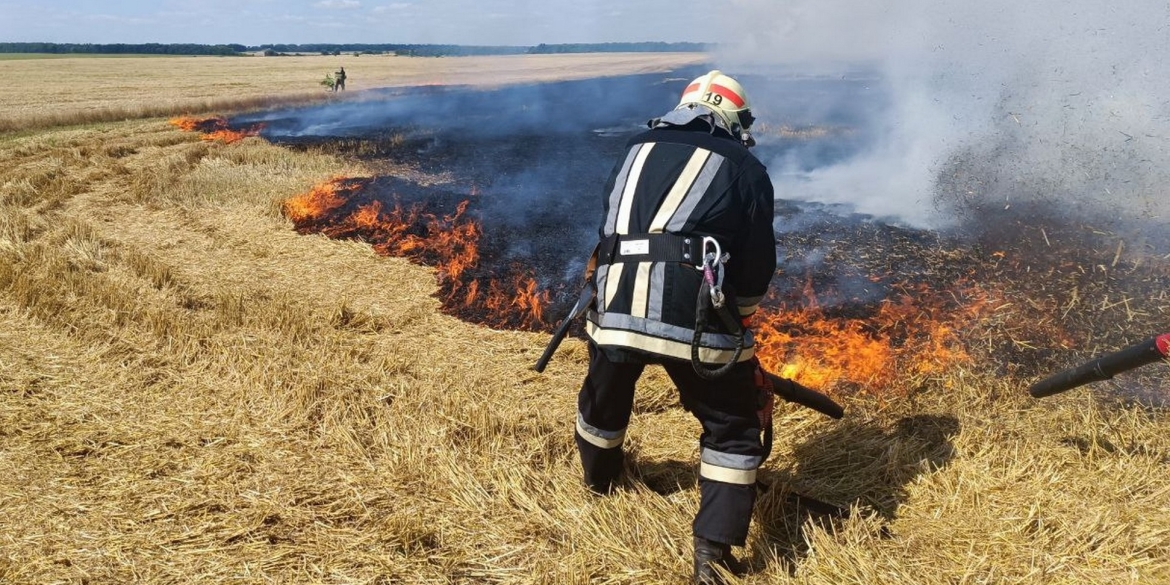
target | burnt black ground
x=532, y=160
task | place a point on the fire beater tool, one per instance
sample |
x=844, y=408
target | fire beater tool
x=784, y=388
x=791, y=391
x=587, y=295
x=1104, y=367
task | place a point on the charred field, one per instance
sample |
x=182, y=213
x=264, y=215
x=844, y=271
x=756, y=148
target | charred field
x=498, y=189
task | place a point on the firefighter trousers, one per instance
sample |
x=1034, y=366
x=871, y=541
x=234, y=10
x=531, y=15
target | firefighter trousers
x=730, y=446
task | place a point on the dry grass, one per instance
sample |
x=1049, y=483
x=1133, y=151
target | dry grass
x=81, y=90
x=190, y=392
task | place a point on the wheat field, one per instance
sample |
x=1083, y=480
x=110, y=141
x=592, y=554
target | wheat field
x=190, y=392
x=56, y=92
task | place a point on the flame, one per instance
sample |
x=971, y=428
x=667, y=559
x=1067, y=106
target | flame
x=523, y=296
x=215, y=128
x=317, y=204
x=913, y=335
x=230, y=136
x=187, y=123
x=449, y=242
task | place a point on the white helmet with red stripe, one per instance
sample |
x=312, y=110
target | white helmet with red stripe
x=722, y=95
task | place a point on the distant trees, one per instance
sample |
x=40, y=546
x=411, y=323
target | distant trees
x=123, y=48
x=336, y=49
x=641, y=47
x=397, y=49
x=466, y=50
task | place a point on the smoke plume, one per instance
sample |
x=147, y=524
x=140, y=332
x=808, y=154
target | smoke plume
x=979, y=105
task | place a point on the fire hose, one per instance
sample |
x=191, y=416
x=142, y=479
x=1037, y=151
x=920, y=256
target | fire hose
x=1104, y=367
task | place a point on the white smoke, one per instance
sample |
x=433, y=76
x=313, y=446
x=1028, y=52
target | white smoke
x=990, y=102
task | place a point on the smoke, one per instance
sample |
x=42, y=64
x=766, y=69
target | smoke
x=971, y=105
x=532, y=159
x=503, y=113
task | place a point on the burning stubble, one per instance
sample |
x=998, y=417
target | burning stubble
x=1036, y=134
x=498, y=296
x=498, y=190
x=215, y=128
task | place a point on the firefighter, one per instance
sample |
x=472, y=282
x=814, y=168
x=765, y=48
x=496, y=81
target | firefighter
x=687, y=212
x=339, y=80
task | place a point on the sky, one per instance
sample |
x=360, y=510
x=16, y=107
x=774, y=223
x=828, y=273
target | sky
x=257, y=22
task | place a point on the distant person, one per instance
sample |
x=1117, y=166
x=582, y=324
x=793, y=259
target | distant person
x=339, y=79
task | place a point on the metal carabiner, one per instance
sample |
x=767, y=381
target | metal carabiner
x=713, y=270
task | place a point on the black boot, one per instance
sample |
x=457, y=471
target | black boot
x=709, y=555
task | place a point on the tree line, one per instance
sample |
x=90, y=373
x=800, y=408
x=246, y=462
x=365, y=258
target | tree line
x=336, y=49
x=641, y=47
x=123, y=49
x=392, y=48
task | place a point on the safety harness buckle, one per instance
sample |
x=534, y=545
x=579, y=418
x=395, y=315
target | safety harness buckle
x=713, y=270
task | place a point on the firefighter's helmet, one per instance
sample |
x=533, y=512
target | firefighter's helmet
x=722, y=95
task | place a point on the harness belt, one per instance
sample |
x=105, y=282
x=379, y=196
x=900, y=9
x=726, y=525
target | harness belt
x=685, y=249
x=664, y=247
x=650, y=248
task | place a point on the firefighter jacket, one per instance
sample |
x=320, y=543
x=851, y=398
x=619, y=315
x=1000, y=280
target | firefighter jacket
x=691, y=183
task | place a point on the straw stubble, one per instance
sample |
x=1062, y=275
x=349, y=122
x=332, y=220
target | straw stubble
x=191, y=392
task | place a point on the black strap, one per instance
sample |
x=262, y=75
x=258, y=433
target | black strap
x=702, y=309
x=650, y=248
x=768, y=439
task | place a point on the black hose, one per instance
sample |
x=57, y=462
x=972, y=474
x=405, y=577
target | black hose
x=704, y=372
x=1104, y=367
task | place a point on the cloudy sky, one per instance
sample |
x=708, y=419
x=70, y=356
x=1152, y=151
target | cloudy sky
x=256, y=22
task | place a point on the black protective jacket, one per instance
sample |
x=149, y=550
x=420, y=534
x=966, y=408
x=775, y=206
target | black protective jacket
x=691, y=182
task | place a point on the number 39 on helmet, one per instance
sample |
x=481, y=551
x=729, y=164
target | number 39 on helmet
x=722, y=95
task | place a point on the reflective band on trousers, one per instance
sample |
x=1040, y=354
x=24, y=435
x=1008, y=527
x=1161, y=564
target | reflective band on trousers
x=597, y=437
x=728, y=468
x=726, y=474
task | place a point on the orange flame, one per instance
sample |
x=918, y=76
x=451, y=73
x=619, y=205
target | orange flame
x=452, y=239
x=911, y=336
x=317, y=203
x=189, y=124
x=230, y=136
x=214, y=128
x=449, y=242
x=522, y=297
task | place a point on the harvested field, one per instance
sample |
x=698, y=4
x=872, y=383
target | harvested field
x=81, y=90
x=191, y=391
